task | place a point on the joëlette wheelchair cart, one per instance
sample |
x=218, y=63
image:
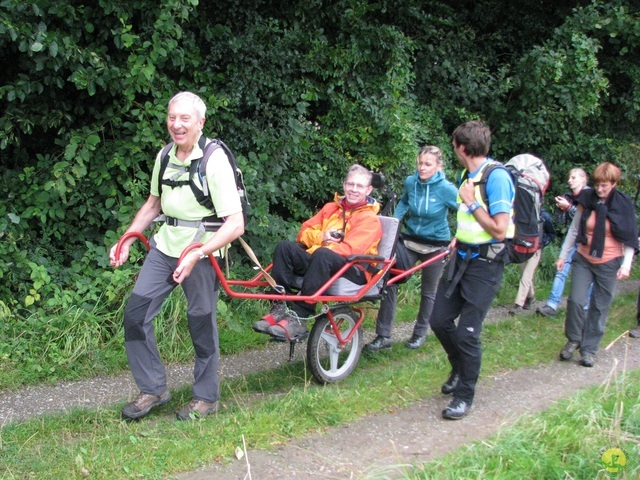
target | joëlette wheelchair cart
x=335, y=341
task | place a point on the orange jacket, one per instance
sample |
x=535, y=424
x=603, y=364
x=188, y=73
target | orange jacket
x=361, y=228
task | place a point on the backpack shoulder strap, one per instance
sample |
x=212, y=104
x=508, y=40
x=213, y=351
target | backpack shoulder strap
x=484, y=177
x=200, y=168
x=164, y=161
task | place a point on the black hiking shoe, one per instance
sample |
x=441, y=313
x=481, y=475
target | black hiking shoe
x=450, y=385
x=587, y=359
x=456, y=409
x=416, y=341
x=379, y=343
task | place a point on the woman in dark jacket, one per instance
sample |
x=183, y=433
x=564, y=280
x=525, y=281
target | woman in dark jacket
x=605, y=233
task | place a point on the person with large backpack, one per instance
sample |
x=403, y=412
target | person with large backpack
x=526, y=291
x=188, y=221
x=531, y=179
x=473, y=276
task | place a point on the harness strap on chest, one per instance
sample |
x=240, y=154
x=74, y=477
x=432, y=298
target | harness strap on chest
x=179, y=171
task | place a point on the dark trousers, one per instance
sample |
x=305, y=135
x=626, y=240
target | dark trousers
x=470, y=300
x=428, y=287
x=291, y=260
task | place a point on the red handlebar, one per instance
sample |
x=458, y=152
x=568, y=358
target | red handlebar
x=128, y=235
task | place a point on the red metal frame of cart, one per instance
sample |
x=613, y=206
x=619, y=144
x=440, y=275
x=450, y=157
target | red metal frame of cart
x=332, y=305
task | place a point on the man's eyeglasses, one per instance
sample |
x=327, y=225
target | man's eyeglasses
x=357, y=186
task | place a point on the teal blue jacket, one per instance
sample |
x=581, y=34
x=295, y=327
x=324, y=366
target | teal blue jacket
x=428, y=204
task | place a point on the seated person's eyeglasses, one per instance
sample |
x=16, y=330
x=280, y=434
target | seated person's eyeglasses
x=357, y=186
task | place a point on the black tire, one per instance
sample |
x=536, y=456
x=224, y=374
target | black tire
x=327, y=361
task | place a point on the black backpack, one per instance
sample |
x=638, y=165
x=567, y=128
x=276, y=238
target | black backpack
x=531, y=179
x=199, y=167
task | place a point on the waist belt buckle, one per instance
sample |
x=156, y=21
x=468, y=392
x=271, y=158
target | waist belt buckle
x=492, y=250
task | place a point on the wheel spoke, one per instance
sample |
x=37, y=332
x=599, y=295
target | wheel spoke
x=330, y=339
x=328, y=361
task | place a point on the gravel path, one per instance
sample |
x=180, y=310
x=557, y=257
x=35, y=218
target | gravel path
x=385, y=442
x=36, y=400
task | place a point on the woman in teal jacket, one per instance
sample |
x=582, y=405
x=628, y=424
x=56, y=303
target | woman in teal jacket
x=427, y=197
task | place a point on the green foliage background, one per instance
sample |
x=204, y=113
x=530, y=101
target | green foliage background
x=299, y=90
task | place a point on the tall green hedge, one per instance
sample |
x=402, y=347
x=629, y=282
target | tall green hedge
x=299, y=90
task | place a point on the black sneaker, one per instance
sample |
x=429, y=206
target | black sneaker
x=456, y=409
x=527, y=303
x=451, y=383
x=278, y=312
x=547, y=311
x=416, y=341
x=568, y=350
x=379, y=343
x=587, y=359
x=635, y=333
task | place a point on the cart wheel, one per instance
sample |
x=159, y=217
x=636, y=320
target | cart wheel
x=327, y=361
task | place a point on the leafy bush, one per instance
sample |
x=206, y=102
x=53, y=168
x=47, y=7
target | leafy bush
x=298, y=91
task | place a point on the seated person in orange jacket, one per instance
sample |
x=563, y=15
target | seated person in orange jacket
x=347, y=226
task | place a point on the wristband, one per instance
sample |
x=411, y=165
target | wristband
x=200, y=253
x=473, y=207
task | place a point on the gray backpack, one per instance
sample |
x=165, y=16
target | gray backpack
x=531, y=179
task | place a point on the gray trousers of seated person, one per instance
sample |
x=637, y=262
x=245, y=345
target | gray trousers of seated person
x=153, y=286
x=291, y=260
x=428, y=287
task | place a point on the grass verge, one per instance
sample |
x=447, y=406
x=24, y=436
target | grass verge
x=265, y=409
x=570, y=440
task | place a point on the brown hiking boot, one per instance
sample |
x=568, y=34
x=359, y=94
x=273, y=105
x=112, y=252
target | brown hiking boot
x=143, y=404
x=196, y=409
x=567, y=351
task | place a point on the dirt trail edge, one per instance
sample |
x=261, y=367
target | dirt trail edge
x=382, y=446
x=378, y=446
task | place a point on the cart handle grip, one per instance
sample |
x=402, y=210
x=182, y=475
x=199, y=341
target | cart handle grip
x=127, y=236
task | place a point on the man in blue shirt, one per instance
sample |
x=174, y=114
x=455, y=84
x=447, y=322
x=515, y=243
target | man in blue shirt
x=473, y=276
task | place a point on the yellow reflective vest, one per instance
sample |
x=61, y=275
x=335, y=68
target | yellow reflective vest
x=469, y=229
